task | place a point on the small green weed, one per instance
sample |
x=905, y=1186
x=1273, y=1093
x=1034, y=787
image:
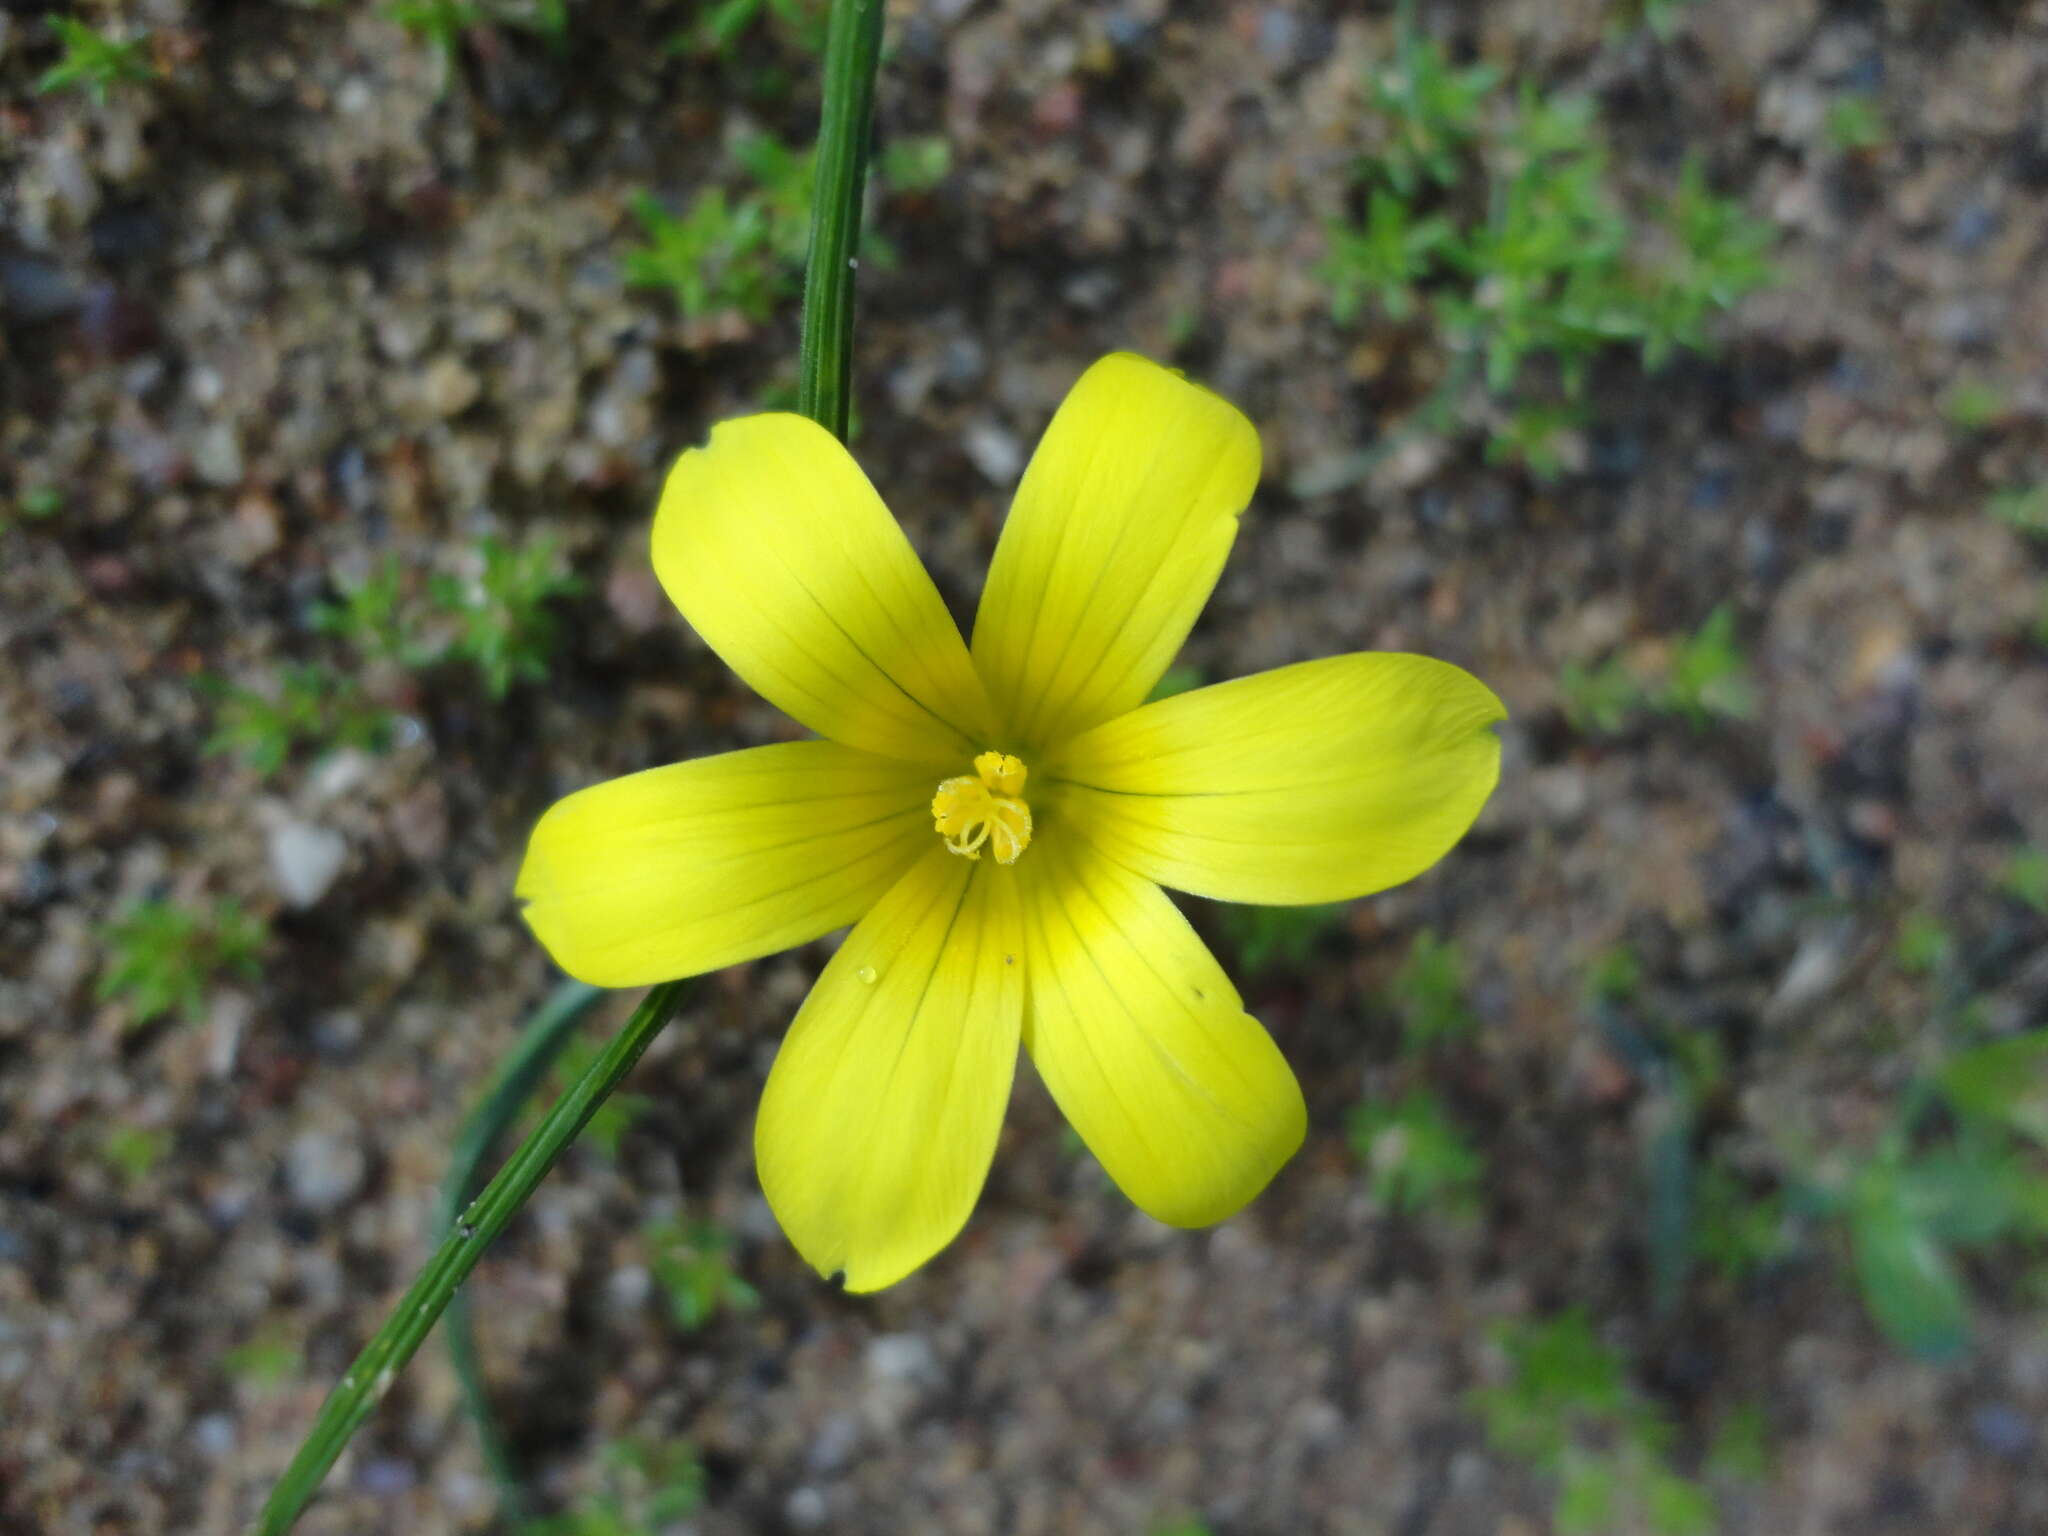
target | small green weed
x=724, y=26
x=501, y=621
x=1615, y=976
x=2025, y=879
x=1855, y=123
x=133, y=1151
x=1417, y=1158
x=371, y=618
x=1384, y=260
x=1734, y=1232
x=498, y=621
x=2002, y=1085
x=737, y=255
x=1913, y=1207
x=1429, y=110
x=93, y=62
x=1429, y=990
x=440, y=24
x=1659, y=17
x=270, y=1359
x=1973, y=405
x=714, y=259
x=38, y=504
x=306, y=706
x=1500, y=221
x=2022, y=508
x=1569, y=1410
x=1278, y=938
x=916, y=164
x=1741, y=1448
x=1705, y=678
x=648, y=1489
x=1924, y=946
x=692, y=1263
x=1709, y=677
x=1600, y=700
x=162, y=958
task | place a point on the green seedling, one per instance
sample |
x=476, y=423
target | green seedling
x=1924, y=946
x=649, y=1489
x=371, y=618
x=713, y=259
x=133, y=1151
x=724, y=26
x=1659, y=17
x=1431, y=110
x=39, y=503
x=441, y=24
x=2025, y=879
x=1736, y=1233
x=1615, y=976
x=1503, y=223
x=2022, y=508
x=501, y=621
x=918, y=164
x=162, y=958
x=1741, y=1447
x=270, y=1359
x=1708, y=677
x=1429, y=991
x=1718, y=256
x=2002, y=1085
x=1384, y=261
x=1542, y=439
x=1599, y=700
x=1973, y=405
x=692, y=1263
x=93, y=62
x=1417, y=1158
x=1569, y=1410
x=1855, y=123
x=306, y=706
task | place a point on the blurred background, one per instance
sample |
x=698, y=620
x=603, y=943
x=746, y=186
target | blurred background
x=1676, y=1148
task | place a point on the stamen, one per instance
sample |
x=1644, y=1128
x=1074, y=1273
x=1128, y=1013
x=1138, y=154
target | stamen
x=985, y=807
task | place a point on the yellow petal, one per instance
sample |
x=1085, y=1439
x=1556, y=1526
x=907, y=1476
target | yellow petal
x=703, y=864
x=1180, y=1094
x=780, y=553
x=883, y=1106
x=1316, y=782
x=1116, y=537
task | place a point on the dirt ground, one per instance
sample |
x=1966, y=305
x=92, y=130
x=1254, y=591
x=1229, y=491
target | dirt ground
x=307, y=298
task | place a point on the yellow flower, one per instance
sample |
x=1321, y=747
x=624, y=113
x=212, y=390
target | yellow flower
x=1312, y=783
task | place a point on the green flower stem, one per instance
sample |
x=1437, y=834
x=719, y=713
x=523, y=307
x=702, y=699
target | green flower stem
x=853, y=47
x=852, y=52
x=386, y=1354
x=517, y=1079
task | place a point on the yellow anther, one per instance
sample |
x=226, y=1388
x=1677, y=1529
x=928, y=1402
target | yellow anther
x=985, y=806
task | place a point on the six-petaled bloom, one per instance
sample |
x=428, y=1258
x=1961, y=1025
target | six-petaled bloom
x=1311, y=783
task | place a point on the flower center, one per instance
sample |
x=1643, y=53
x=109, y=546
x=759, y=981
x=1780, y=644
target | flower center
x=986, y=806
